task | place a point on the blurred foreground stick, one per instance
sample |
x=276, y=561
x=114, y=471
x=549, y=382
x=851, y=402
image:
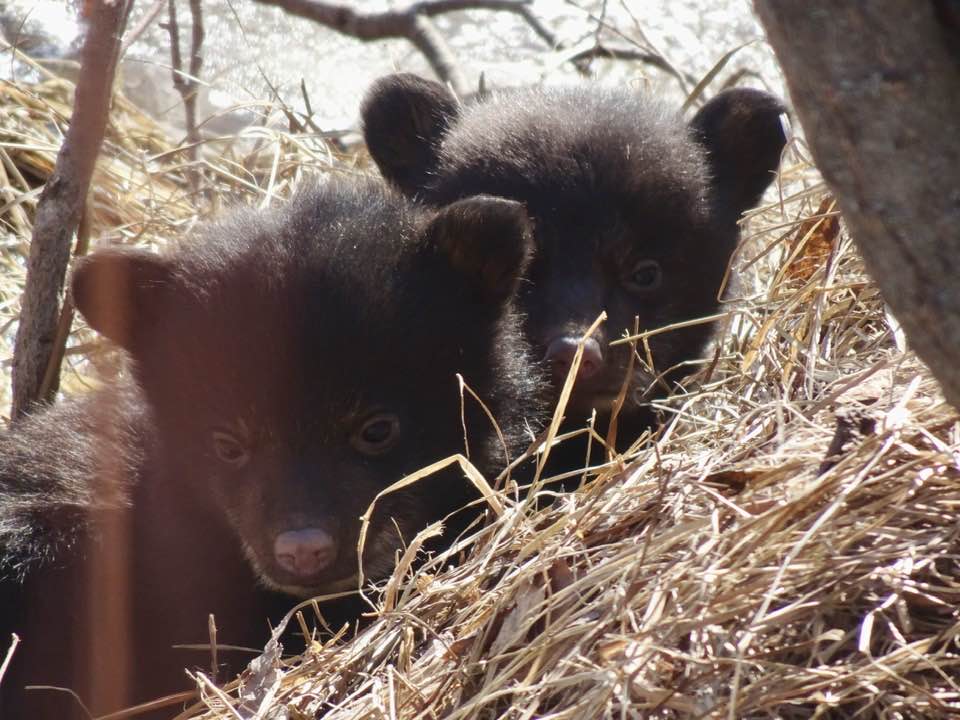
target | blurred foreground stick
x=876, y=86
x=61, y=207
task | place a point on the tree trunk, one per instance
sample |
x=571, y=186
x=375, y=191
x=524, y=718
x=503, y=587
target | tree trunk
x=61, y=207
x=876, y=86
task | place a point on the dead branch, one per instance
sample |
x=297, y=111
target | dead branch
x=411, y=23
x=580, y=55
x=187, y=84
x=141, y=27
x=545, y=33
x=61, y=205
x=645, y=52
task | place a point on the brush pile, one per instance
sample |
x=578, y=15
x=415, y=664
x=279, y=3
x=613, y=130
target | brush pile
x=785, y=546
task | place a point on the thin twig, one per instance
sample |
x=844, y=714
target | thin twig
x=187, y=84
x=412, y=23
x=646, y=53
x=14, y=641
x=141, y=26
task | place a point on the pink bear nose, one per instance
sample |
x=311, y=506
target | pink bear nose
x=560, y=354
x=304, y=552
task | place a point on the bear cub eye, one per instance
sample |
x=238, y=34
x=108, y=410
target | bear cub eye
x=644, y=276
x=229, y=449
x=377, y=434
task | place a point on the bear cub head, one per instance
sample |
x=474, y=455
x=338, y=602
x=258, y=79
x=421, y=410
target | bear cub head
x=635, y=211
x=296, y=362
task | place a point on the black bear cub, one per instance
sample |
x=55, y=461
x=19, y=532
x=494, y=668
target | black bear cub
x=635, y=212
x=284, y=370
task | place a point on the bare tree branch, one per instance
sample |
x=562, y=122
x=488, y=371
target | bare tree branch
x=645, y=53
x=877, y=89
x=187, y=85
x=141, y=27
x=434, y=48
x=545, y=33
x=579, y=54
x=51, y=376
x=411, y=23
x=61, y=205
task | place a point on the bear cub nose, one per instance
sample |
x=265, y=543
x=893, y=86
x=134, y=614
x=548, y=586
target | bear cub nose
x=560, y=354
x=304, y=552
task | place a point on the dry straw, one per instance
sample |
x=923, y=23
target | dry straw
x=785, y=547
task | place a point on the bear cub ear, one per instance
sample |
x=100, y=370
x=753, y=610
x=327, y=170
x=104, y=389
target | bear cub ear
x=743, y=134
x=486, y=241
x=404, y=120
x=118, y=292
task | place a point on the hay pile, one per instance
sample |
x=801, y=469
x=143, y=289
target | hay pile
x=786, y=547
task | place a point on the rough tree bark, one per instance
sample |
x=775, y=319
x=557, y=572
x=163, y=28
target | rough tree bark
x=876, y=86
x=61, y=205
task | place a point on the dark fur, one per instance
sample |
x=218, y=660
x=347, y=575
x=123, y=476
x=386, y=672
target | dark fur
x=285, y=329
x=612, y=179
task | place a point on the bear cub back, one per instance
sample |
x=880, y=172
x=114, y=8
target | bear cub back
x=284, y=369
x=635, y=211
